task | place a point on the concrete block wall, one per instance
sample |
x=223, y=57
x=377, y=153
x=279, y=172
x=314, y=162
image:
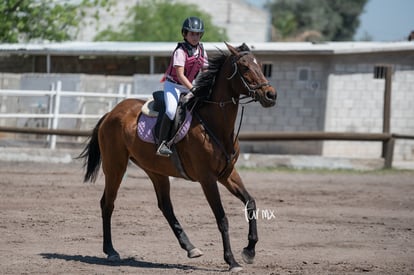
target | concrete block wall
x=300, y=105
x=7, y=102
x=402, y=109
x=47, y=82
x=114, y=17
x=242, y=21
x=355, y=104
x=9, y=81
x=138, y=84
x=338, y=94
x=147, y=83
x=70, y=82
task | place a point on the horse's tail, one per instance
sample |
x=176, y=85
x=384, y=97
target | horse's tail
x=92, y=155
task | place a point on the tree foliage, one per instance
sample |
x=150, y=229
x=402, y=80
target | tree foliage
x=29, y=20
x=160, y=20
x=333, y=20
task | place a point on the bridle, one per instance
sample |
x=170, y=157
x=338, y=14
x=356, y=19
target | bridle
x=251, y=93
x=251, y=90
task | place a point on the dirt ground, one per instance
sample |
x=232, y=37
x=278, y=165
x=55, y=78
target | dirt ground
x=323, y=223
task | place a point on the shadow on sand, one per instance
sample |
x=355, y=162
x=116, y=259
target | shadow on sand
x=132, y=262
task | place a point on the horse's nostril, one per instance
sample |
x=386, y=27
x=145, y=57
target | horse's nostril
x=270, y=95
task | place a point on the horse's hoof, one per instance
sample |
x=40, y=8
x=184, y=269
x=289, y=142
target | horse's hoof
x=114, y=258
x=194, y=253
x=236, y=269
x=247, y=256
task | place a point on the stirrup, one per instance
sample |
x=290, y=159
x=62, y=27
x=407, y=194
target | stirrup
x=163, y=150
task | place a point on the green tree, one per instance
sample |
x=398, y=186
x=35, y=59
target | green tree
x=28, y=20
x=334, y=20
x=159, y=20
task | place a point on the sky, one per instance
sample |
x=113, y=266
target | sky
x=382, y=20
x=387, y=20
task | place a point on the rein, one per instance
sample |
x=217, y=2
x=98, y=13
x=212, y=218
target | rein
x=228, y=157
x=222, y=104
x=251, y=89
x=217, y=141
x=252, y=93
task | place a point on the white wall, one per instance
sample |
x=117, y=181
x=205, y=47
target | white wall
x=242, y=21
x=355, y=104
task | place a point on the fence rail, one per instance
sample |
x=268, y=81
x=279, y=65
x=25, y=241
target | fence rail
x=244, y=136
x=387, y=139
x=295, y=136
x=55, y=95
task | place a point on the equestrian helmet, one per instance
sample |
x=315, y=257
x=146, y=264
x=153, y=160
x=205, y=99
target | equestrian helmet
x=193, y=24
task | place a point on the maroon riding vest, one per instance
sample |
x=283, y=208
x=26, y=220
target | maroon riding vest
x=193, y=64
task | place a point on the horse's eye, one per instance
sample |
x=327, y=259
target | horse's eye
x=244, y=69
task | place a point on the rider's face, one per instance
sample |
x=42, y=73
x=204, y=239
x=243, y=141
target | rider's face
x=193, y=37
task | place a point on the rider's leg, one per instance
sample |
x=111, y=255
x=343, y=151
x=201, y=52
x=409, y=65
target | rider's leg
x=171, y=95
x=165, y=129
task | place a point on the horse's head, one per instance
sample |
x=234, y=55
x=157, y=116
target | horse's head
x=247, y=76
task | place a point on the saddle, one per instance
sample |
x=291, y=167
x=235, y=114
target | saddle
x=149, y=120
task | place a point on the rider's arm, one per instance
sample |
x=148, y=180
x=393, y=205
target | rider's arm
x=183, y=79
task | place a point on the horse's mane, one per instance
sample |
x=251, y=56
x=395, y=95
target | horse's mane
x=205, y=80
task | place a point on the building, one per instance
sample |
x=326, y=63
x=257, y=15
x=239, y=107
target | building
x=321, y=87
x=241, y=20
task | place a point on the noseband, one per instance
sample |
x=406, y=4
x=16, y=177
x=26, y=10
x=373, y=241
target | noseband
x=251, y=90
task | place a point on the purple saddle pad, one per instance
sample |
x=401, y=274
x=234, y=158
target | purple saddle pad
x=146, y=124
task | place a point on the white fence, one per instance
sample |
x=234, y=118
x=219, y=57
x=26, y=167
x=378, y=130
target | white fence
x=54, y=104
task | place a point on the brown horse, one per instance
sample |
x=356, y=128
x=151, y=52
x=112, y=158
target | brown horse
x=208, y=152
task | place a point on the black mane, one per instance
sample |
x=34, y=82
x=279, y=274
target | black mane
x=205, y=80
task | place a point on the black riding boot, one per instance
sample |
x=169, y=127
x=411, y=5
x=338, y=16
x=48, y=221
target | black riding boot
x=165, y=129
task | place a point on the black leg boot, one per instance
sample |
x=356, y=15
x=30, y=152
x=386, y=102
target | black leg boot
x=165, y=129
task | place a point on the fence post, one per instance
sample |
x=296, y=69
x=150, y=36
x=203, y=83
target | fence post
x=50, y=109
x=381, y=72
x=56, y=110
x=386, y=126
x=388, y=152
x=128, y=90
x=121, y=92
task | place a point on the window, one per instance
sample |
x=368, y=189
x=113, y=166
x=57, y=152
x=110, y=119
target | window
x=380, y=71
x=267, y=69
x=303, y=74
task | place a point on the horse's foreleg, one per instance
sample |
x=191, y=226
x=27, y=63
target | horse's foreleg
x=162, y=189
x=235, y=185
x=213, y=197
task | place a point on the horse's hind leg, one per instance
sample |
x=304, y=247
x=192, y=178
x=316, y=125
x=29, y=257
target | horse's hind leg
x=235, y=185
x=114, y=173
x=162, y=188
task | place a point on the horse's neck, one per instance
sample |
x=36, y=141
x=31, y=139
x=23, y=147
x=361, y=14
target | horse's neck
x=221, y=115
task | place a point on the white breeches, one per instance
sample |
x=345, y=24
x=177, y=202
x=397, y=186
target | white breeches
x=172, y=93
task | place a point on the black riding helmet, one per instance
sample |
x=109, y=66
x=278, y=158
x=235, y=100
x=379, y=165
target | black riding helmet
x=193, y=24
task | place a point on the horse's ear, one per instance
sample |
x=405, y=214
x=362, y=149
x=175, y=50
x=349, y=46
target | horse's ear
x=232, y=49
x=244, y=47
